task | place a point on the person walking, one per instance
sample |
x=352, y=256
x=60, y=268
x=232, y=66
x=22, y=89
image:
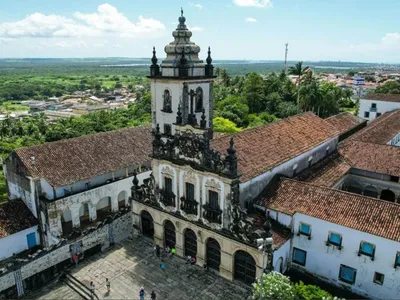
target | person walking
x=92, y=287
x=75, y=258
x=153, y=295
x=158, y=251
x=141, y=293
x=108, y=285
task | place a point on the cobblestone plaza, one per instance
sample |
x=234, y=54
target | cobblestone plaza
x=132, y=264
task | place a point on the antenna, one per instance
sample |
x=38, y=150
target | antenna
x=286, y=50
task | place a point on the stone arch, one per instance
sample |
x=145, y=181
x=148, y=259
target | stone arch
x=169, y=234
x=167, y=101
x=66, y=221
x=122, y=199
x=213, y=253
x=103, y=206
x=199, y=99
x=190, y=242
x=371, y=191
x=84, y=213
x=244, y=266
x=353, y=187
x=279, y=265
x=147, y=223
x=388, y=195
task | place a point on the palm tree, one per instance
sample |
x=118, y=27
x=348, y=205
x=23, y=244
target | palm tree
x=299, y=71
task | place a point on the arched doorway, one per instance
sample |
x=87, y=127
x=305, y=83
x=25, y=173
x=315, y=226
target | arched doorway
x=103, y=207
x=245, y=267
x=354, y=187
x=388, y=195
x=213, y=253
x=371, y=191
x=169, y=234
x=190, y=243
x=147, y=224
x=122, y=199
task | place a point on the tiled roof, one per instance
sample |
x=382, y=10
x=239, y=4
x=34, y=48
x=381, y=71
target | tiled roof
x=326, y=172
x=64, y=162
x=381, y=130
x=14, y=217
x=345, y=121
x=383, y=159
x=374, y=216
x=382, y=97
x=262, y=148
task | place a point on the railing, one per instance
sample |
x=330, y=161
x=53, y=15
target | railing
x=189, y=206
x=167, y=198
x=212, y=215
x=372, y=109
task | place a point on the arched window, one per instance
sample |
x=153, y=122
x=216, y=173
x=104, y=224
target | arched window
x=169, y=234
x=245, y=267
x=147, y=224
x=190, y=243
x=167, y=105
x=213, y=254
x=388, y=195
x=199, y=99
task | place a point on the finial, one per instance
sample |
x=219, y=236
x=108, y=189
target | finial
x=135, y=181
x=154, y=58
x=231, y=150
x=158, y=128
x=179, y=115
x=181, y=12
x=203, y=122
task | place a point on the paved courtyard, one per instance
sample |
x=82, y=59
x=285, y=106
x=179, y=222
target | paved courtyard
x=132, y=264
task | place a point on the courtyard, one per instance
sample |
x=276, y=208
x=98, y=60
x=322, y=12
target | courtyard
x=132, y=264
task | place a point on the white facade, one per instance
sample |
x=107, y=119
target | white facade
x=371, y=109
x=17, y=242
x=325, y=261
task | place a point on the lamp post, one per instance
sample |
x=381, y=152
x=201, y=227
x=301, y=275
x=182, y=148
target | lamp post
x=265, y=245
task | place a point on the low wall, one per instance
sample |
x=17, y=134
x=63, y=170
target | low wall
x=118, y=230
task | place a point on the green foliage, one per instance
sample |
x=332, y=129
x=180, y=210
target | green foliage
x=274, y=286
x=224, y=125
x=234, y=109
x=253, y=92
x=10, y=106
x=389, y=87
x=310, y=292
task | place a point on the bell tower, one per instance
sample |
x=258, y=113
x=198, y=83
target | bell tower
x=182, y=87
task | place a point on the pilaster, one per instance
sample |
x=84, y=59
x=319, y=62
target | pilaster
x=226, y=266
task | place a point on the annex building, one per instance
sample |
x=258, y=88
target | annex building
x=326, y=190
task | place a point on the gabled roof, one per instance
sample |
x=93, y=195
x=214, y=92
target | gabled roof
x=382, y=97
x=345, y=122
x=374, y=216
x=67, y=161
x=14, y=217
x=261, y=148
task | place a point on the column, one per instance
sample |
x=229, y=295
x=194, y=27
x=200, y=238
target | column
x=179, y=243
x=114, y=203
x=55, y=223
x=92, y=211
x=76, y=222
x=201, y=255
x=158, y=234
x=226, y=266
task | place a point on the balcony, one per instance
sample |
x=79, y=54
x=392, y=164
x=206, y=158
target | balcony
x=167, y=198
x=189, y=206
x=212, y=215
x=372, y=109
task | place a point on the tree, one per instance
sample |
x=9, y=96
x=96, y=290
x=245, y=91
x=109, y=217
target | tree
x=310, y=292
x=224, y=125
x=274, y=286
x=389, y=87
x=253, y=93
x=234, y=109
x=299, y=71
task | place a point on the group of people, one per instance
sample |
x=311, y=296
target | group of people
x=142, y=293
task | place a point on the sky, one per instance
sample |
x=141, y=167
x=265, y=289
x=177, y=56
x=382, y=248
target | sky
x=345, y=30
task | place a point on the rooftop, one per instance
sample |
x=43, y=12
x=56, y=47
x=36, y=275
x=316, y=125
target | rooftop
x=67, y=161
x=382, y=97
x=374, y=216
x=262, y=148
x=14, y=217
x=383, y=159
x=327, y=172
x=345, y=122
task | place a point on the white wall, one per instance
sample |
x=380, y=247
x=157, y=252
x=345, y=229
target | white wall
x=324, y=261
x=381, y=107
x=283, y=253
x=17, y=192
x=253, y=187
x=16, y=242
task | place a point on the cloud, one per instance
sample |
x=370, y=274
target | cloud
x=251, y=20
x=199, y=6
x=107, y=20
x=253, y=3
x=196, y=29
x=72, y=44
x=389, y=42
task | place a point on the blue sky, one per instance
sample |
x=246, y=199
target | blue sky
x=346, y=30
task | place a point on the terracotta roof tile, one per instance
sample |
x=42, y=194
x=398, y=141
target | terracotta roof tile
x=64, y=162
x=345, y=122
x=14, y=217
x=382, y=97
x=374, y=216
x=262, y=148
x=381, y=130
x=326, y=172
x=383, y=159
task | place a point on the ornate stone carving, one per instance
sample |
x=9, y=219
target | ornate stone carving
x=146, y=192
x=167, y=171
x=212, y=183
x=189, y=176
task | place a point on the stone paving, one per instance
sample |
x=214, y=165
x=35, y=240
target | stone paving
x=132, y=264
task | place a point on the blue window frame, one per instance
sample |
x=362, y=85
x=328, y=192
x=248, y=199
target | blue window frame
x=367, y=249
x=347, y=274
x=299, y=256
x=305, y=229
x=31, y=239
x=335, y=239
x=397, y=261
